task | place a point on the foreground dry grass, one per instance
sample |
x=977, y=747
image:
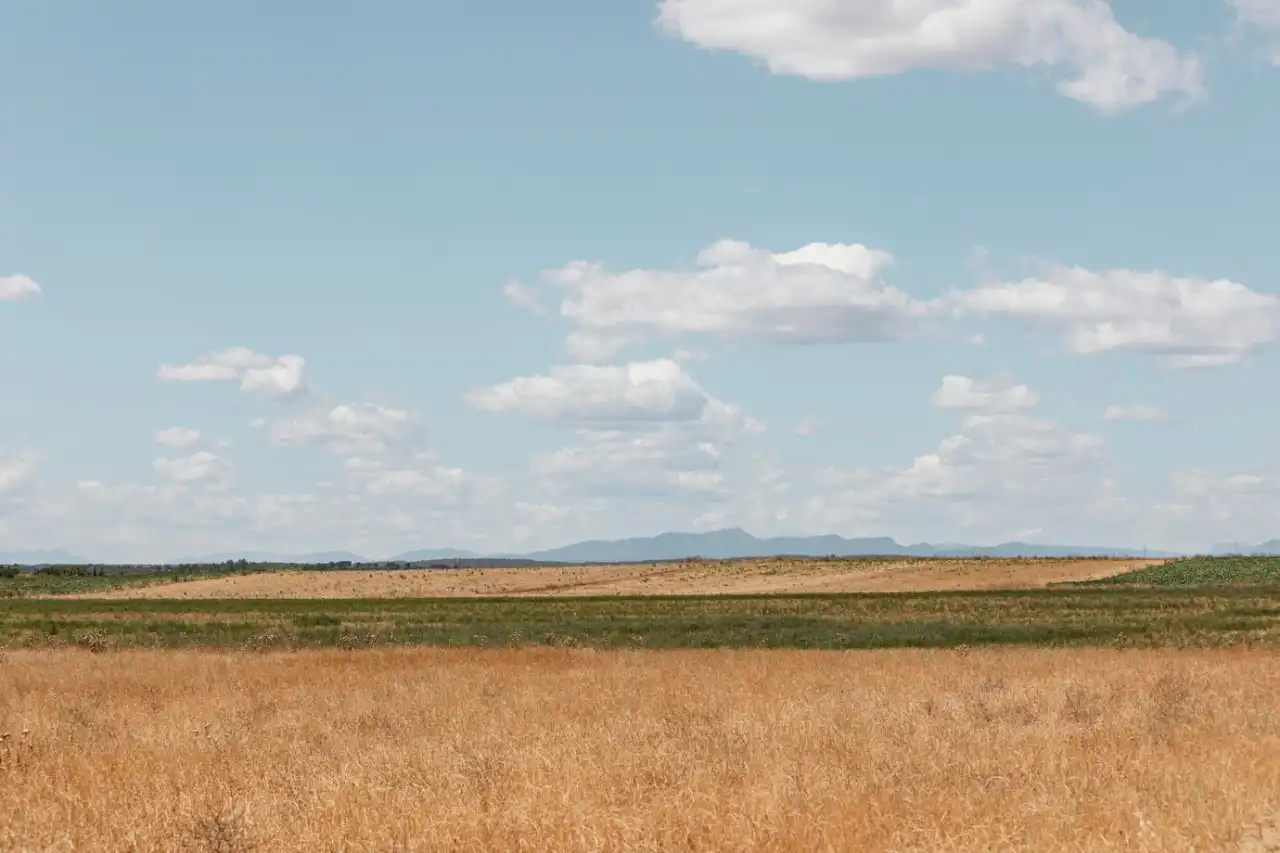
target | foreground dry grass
x=740, y=577
x=552, y=750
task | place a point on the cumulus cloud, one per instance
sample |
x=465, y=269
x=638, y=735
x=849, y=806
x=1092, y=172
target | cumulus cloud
x=644, y=392
x=1000, y=470
x=819, y=293
x=16, y=470
x=809, y=425
x=1240, y=505
x=994, y=395
x=1264, y=16
x=1188, y=322
x=381, y=450
x=343, y=426
x=436, y=481
x=420, y=475
x=198, y=466
x=393, y=492
x=524, y=296
x=197, y=508
x=662, y=463
x=1095, y=59
x=14, y=288
x=278, y=377
x=644, y=430
x=177, y=437
x=1011, y=453
x=1134, y=413
x=588, y=345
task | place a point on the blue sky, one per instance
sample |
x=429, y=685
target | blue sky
x=389, y=275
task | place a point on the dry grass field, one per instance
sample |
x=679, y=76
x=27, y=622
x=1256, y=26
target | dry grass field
x=738, y=577
x=558, y=750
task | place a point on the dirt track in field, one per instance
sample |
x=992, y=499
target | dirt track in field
x=737, y=577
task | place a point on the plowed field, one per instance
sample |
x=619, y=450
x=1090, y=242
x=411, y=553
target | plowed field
x=737, y=577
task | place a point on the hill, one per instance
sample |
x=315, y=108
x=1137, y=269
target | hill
x=427, y=554
x=735, y=542
x=731, y=543
x=269, y=557
x=1262, y=549
x=56, y=556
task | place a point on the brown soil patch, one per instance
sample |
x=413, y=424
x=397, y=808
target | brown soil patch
x=738, y=577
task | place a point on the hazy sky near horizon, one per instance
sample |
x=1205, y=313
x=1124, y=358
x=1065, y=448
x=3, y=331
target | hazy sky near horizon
x=314, y=275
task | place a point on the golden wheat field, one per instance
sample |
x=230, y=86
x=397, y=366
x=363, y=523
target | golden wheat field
x=573, y=750
x=737, y=577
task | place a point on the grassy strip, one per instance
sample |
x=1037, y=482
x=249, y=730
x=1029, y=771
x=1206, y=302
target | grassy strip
x=1200, y=571
x=26, y=584
x=1056, y=617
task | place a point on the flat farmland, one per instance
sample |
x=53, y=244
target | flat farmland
x=582, y=750
x=770, y=705
x=1245, y=615
x=732, y=577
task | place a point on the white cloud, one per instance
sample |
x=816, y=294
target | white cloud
x=809, y=425
x=996, y=395
x=418, y=475
x=440, y=482
x=16, y=470
x=345, y=426
x=278, y=377
x=393, y=494
x=664, y=464
x=639, y=393
x=183, y=516
x=177, y=437
x=1096, y=60
x=999, y=472
x=1134, y=413
x=1214, y=505
x=524, y=296
x=14, y=288
x=683, y=355
x=645, y=431
x=1263, y=15
x=201, y=465
x=1007, y=452
x=591, y=346
x=381, y=449
x=819, y=293
x=1189, y=322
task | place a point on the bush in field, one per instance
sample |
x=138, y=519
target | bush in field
x=63, y=571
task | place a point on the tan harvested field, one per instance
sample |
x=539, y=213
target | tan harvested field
x=696, y=578
x=541, y=750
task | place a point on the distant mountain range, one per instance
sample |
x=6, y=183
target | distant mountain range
x=1271, y=547
x=57, y=556
x=271, y=557
x=428, y=554
x=717, y=544
x=735, y=542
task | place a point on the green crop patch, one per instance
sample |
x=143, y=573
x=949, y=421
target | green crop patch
x=1200, y=571
x=1062, y=616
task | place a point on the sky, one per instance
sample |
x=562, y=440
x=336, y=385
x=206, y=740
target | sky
x=319, y=275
